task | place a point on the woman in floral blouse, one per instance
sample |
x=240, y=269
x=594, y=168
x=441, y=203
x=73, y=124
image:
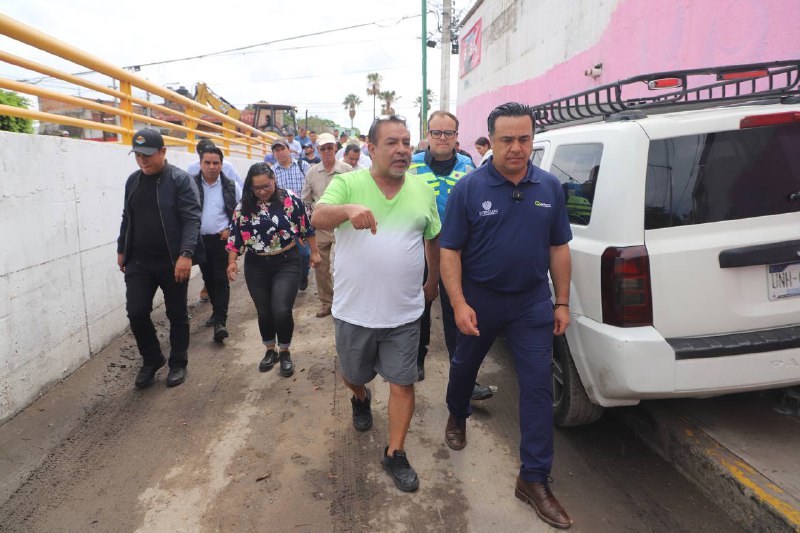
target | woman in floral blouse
x=263, y=228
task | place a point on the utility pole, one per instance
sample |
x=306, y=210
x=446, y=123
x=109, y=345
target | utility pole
x=444, y=101
x=423, y=114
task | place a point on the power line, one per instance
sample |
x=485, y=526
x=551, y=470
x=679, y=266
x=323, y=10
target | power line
x=267, y=43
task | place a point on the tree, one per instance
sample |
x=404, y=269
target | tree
x=15, y=124
x=388, y=98
x=418, y=103
x=351, y=101
x=374, y=88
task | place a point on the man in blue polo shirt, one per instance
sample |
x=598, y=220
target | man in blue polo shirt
x=505, y=226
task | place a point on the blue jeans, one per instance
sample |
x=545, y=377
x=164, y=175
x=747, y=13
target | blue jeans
x=305, y=257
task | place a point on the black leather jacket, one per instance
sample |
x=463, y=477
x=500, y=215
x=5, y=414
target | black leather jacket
x=179, y=208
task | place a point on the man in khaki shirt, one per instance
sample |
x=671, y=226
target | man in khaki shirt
x=317, y=179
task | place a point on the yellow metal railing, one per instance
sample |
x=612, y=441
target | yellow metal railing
x=232, y=135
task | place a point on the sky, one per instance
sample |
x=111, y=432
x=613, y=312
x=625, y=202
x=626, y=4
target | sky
x=314, y=73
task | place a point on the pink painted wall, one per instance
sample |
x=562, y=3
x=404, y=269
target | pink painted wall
x=646, y=36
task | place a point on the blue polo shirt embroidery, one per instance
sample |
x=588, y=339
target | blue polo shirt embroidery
x=504, y=231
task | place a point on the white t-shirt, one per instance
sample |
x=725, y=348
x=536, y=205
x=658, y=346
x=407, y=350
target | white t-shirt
x=377, y=279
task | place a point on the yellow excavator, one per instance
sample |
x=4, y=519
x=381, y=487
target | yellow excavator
x=276, y=118
x=206, y=96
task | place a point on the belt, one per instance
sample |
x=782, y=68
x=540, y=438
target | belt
x=279, y=252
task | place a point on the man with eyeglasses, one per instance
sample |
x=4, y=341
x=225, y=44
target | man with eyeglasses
x=318, y=178
x=387, y=227
x=441, y=167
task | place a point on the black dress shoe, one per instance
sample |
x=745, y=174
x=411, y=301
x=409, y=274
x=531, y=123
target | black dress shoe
x=455, y=433
x=210, y=322
x=176, y=376
x=287, y=367
x=270, y=358
x=147, y=375
x=220, y=332
x=303, y=283
x=539, y=496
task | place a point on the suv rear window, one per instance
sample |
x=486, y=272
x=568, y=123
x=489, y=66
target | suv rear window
x=577, y=166
x=728, y=175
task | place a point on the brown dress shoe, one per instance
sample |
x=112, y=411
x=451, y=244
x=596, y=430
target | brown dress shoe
x=323, y=311
x=539, y=497
x=456, y=432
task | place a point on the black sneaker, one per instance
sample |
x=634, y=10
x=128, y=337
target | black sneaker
x=270, y=358
x=362, y=413
x=220, y=332
x=420, y=372
x=303, y=283
x=404, y=477
x=482, y=392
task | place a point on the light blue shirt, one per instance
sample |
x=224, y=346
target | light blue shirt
x=227, y=169
x=213, y=220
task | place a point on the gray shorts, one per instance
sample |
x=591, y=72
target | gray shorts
x=366, y=352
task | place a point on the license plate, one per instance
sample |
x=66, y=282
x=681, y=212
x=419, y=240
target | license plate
x=783, y=280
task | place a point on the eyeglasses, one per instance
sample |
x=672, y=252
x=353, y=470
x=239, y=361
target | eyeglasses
x=262, y=187
x=326, y=147
x=448, y=134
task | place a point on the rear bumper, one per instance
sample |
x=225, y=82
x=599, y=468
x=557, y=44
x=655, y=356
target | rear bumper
x=620, y=366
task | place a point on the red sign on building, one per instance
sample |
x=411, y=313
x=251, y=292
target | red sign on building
x=471, y=49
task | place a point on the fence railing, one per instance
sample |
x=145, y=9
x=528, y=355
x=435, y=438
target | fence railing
x=231, y=135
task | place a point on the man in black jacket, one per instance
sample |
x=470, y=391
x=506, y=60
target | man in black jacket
x=218, y=198
x=158, y=238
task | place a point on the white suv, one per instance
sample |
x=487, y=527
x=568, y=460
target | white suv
x=685, y=211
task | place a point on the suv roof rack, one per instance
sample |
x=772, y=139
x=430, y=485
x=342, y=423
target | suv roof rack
x=752, y=82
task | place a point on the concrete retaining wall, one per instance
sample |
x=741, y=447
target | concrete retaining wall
x=62, y=297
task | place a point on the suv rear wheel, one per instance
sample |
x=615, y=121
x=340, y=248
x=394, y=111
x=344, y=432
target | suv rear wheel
x=571, y=405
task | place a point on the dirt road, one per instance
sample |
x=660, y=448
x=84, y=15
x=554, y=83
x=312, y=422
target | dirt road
x=233, y=449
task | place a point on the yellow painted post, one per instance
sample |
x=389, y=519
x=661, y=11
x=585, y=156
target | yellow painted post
x=126, y=106
x=227, y=133
x=192, y=125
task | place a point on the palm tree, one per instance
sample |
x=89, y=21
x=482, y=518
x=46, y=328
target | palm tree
x=388, y=98
x=428, y=103
x=374, y=88
x=351, y=101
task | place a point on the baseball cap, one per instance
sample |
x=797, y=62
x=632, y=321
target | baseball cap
x=325, y=138
x=281, y=142
x=147, y=141
x=308, y=145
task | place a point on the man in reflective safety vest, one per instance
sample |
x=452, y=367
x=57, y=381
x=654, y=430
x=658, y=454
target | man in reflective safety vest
x=441, y=167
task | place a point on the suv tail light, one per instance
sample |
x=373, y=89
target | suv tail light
x=625, y=287
x=773, y=119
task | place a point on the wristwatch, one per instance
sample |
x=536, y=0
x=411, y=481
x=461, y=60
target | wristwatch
x=187, y=253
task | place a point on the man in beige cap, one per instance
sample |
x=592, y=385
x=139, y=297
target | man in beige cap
x=317, y=179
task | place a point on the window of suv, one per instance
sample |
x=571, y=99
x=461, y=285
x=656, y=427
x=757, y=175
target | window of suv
x=537, y=156
x=577, y=167
x=729, y=175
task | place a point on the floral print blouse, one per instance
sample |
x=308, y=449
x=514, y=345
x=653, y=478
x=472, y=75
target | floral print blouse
x=271, y=229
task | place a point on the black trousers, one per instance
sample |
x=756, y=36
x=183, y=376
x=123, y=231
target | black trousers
x=272, y=282
x=141, y=281
x=215, y=276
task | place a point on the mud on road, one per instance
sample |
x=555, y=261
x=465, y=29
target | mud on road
x=233, y=449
